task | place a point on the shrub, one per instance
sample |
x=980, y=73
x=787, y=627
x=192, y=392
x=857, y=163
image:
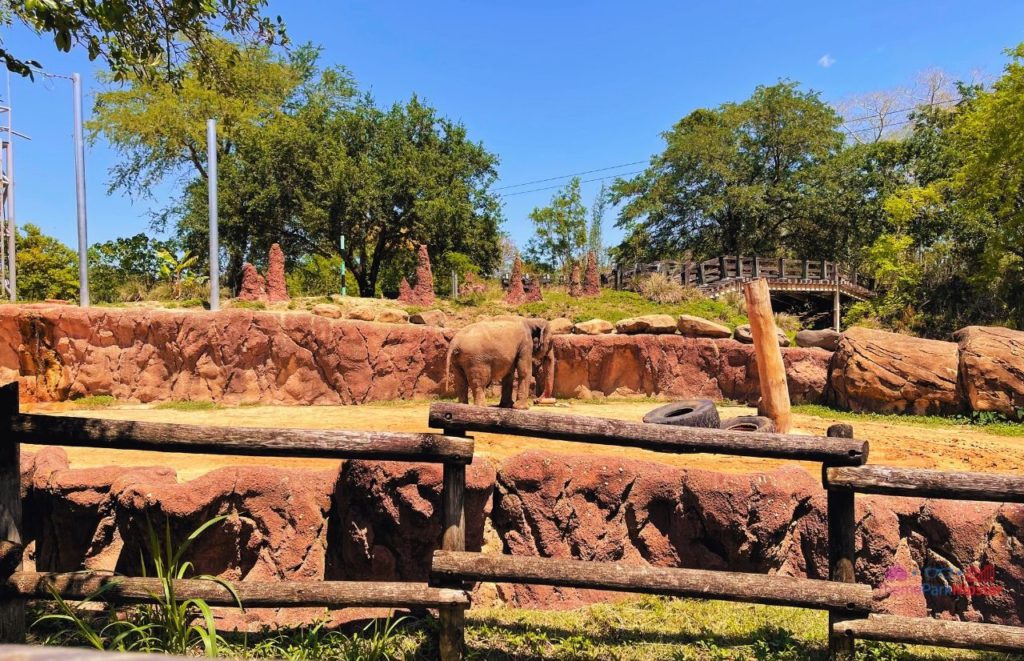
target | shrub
x=661, y=289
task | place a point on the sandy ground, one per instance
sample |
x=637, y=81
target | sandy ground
x=948, y=448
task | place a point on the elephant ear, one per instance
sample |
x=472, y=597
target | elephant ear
x=539, y=334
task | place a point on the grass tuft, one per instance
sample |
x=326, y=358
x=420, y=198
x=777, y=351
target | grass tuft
x=989, y=423
x=188, y=405
x=95, y=402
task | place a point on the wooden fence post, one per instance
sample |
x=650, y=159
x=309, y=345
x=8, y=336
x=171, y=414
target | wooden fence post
x=771, y=370
x=12, y=609
x=451, y=642
x=782, y=267
x=842, y=549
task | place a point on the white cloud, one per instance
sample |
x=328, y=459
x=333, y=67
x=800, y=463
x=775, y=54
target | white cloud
x=826, y=60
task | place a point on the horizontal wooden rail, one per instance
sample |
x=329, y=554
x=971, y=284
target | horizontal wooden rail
x=164, y=437
x=53, y=653
x=928, y=631
x=886, y=481
x=730, y=586
x=661, y=438
x=335, y=594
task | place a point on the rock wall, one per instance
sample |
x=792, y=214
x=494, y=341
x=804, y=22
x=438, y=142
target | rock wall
x=236, y=356
x=381, y=520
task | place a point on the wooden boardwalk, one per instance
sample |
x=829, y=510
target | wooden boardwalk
x=724, y=274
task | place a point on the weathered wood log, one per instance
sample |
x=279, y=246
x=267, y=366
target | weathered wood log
x=77, y=586
x=661, y=438
x=920, y=483
x=771, y=370
x=729, y=586
x=452, y=634
x=10, y=558
x=842, y=550
x=164, y=437
x=12, y=609
x=52, y=653
x=928, y=631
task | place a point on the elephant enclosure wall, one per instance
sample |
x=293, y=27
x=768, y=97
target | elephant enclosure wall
x=242, y=356
x=380, y=521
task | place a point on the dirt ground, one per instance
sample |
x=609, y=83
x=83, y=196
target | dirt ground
x=955, y=447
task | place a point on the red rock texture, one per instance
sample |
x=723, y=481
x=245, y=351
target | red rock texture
x=254, y=287
x=591, y=279
x=532, y=292
x=231, y=356
x=277, y=286
x=991, y=376
x=575, y=286
x=405, y=292
x=677, y=366
x=892, y=373
x=424, y=289
x=382, y=521
x=515, y=294
x=471, y=285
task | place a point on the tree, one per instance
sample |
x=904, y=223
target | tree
x=46, y=267
x=141, y=39
x=733, y=179
x=595, y=240
x=333, y=164
x=560, y=229
x=125, y=268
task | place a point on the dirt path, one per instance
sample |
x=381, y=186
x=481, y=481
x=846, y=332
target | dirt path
x=950, y=448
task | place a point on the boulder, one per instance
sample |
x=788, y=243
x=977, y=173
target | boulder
x=560, y=326
x=991, y=369
x=429, y=318
x=886, y=372
x=362, y=313
x=651, y=324
x=743, y=334
x=825, y=338
x=691, y=326
x=392, y=316
x=593, y=327
x=327, y=310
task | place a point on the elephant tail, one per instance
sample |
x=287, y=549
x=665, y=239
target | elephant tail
x=453, y=350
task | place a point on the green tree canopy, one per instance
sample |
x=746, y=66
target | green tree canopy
x=46, y=267
x=733, y=179
x=141, y=39
x=561, y=232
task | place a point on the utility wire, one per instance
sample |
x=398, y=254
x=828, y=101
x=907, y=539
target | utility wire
x=845, y=124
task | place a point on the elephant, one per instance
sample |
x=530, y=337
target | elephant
x=499, y=350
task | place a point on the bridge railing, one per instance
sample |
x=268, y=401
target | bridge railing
x=729, y=268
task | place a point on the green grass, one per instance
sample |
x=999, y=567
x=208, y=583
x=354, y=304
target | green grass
x=614, y=306
x=989, y=424
x=95, y=402
x=188, y=405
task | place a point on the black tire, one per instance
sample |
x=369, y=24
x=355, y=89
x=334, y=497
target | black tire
x=757, y=423
x=686, y=413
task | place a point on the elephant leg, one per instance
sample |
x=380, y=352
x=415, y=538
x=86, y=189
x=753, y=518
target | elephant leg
x=524, y=369
x=506, y=390
x=461, y=385
x=479, y=378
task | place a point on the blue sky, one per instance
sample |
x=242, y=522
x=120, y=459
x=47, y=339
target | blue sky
x=551, y=87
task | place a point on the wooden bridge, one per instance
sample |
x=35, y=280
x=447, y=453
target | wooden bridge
x=723, y=274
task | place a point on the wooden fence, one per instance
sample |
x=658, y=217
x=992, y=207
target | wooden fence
x=850, y=605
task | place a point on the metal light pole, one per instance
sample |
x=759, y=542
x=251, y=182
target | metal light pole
x=12, y=270
x=83, y=239
x=211, y=178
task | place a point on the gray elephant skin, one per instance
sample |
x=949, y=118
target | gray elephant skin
x=503, y=351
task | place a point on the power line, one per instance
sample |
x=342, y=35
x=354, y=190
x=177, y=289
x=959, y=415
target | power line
x=845, y=124
x=566, y=176
x=585, y=181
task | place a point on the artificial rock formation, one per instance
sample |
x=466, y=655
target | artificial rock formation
x=422, y=294
x=429, y=318
x=591, y=279
x=575, y=286
x=405, y=294
x=382, y=520
x=593, y=327
x=891, y=373
x=991, y=369
x=516, y=295
x=254, y=287
x=532, y=292
x=277, y=286
x=745, y=335
x=691, y=326
x=650, y=324
x=826, y=338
